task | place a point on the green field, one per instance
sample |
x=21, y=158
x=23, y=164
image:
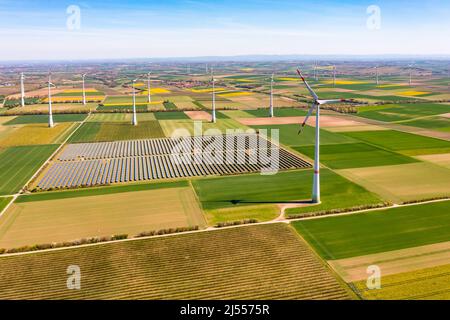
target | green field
x=41, y=118
x=402, y=142
x=435, y=123
x=399, y=112
x=378, y=231
x=112, y=131
x=170, y=106
x=4, y=202
x=254, y=262
x=18, y=164
x=278, y=112
x=175, y=115
x=354, y=155
x=289, y=135
x=285, y=187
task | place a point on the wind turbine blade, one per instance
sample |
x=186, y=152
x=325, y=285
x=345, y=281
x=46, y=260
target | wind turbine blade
x=330, y=101
x=307, y=117
x=311, y=91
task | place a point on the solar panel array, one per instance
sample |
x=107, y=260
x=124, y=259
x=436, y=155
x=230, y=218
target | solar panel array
x=91, y=164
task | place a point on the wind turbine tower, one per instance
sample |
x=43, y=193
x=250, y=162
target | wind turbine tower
x=213, y=118
x=316, y=105
x=50, y=114
x=22, y=89
x=84, y=89
x=410, y=75
x=149, y=95
x=271, y=97
x=376, y=71
x=134, y=121
x=334, y=76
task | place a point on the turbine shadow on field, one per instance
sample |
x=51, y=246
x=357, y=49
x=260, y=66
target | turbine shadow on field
x=236, y=201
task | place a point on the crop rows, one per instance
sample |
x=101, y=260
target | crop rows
x=140, y=168
x=244, y=263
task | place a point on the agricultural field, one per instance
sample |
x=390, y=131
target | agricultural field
x=68, y=219
x=425, y=284
x=377, y=231
x=112, y=131
x=403, y=182
x=36, y=134
x=18, y=164
x=355, y=155
x=402, y=142
x=402, y=112
x=180, y=267
x=31, y=119
x=226, y=231
x=292, y=190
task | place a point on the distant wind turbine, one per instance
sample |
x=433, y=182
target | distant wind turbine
x=84, y=89
x=271, y=97
x=213, y=118
x=22, y=89
x=134, y=121
x=410, y=74
x=316, y=105
x=149, y=95
x=50, y=113
x=376, y=72
x=334, y=76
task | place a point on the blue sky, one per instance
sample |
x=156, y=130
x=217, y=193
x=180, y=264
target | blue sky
x=173, y=28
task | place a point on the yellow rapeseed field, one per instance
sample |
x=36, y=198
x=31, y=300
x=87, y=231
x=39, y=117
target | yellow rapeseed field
x=412, y=93
x=288, y=79
x=236, y=94
x=156, y=91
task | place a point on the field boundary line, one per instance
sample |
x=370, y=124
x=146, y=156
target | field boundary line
x=370, y=209
x=14, y=197
x=210, y=229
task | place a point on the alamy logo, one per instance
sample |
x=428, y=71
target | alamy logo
x=374, y=19
x=374, y=279
x=73, y=21
x=74, y=280
x=235, y=147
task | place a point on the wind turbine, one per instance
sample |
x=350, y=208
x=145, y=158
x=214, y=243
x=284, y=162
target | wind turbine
x=149, y=96
x=134, y=121
x=334, y=76
x=376, y=71
x=50, y=114
x=271, y=97
x=213, y=118
x=315, y=70
x=22, y=89
x=84, y=89
x=410, y=74
x=316, y=105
